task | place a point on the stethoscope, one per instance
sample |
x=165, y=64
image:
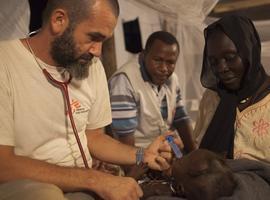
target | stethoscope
x=63, y=86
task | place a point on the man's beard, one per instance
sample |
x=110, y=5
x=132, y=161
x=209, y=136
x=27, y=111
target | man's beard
x=63, y=51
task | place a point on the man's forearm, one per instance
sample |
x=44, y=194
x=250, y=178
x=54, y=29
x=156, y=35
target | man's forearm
x=110, y=150
x=185, y=132
x=128, y=139
x=14, y=167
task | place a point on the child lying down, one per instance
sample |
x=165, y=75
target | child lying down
x=199, y=175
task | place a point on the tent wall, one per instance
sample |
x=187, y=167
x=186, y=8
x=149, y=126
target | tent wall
x=149, y=22
x=14, y=19
x=266, y=56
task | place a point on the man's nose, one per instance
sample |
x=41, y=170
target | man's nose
x=96, y=49
x=163, y=67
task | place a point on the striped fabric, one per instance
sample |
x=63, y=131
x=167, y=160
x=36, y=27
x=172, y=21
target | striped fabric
x=124, y=108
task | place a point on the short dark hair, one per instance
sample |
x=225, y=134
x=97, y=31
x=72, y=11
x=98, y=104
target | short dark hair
x=76, y=11
x=163, y=36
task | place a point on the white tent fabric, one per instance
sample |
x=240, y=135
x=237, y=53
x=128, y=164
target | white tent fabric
x=149, y=22
x=14, y=19
x=263, y=27
x=266, y=56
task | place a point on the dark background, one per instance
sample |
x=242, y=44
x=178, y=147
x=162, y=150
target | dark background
x=36, y=8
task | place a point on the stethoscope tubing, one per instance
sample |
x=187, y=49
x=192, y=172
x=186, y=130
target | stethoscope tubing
x=63, y=86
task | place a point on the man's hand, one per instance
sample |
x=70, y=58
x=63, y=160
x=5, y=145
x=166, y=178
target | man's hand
x=118, y=188
x=158, y=154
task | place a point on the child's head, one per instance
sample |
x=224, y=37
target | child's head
x=202, y=175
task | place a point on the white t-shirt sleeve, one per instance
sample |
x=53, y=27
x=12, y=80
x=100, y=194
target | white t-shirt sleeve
x=6, y=108
x=100, y=113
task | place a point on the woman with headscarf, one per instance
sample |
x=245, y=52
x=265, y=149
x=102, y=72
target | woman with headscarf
x=234, y=114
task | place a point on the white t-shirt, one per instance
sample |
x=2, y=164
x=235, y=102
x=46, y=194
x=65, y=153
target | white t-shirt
x=33, y=117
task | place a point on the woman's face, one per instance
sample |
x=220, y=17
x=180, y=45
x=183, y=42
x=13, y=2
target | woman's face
x=225, y=61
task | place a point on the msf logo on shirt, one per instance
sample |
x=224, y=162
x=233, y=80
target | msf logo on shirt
x=76, y=107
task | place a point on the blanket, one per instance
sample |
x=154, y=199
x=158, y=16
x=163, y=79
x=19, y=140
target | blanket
x=253, y=181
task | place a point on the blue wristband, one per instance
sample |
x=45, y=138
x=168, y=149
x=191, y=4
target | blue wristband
x=139, y=155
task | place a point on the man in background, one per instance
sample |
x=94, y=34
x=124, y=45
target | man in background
x=145, y=95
